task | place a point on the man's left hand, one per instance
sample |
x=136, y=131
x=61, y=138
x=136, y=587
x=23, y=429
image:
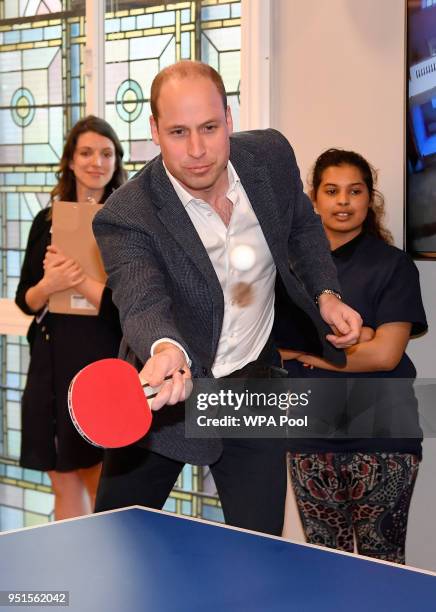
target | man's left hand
x=345, y=322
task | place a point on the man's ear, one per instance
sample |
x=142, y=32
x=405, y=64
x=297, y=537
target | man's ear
x=154, y=130
x=229, y=119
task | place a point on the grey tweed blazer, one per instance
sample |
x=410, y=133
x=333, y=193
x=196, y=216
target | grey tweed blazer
x=163, y=281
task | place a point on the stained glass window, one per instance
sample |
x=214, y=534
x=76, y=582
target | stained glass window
x=42, y=95
x=221, y=46
x=141, y=40
x=11, y=9
x=42, y=44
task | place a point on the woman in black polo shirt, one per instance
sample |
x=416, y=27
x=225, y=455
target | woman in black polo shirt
x=358, y=488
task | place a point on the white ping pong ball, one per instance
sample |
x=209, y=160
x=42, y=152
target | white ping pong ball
x=242, y=257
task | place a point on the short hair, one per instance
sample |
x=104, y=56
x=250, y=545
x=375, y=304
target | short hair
x=182, y=70
x=373, y=223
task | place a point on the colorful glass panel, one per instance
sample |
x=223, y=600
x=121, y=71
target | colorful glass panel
x=10, y=9
x=143, y=40
x=139, y=43
x=42, y=95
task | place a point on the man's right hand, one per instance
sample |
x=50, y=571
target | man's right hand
x=167, y=360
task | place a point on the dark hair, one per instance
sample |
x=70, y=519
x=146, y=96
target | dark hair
x=66, y=186
x=182, y=70
x=373, y=223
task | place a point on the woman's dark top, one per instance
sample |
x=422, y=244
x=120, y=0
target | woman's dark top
x=381, y=282
x=60, y=346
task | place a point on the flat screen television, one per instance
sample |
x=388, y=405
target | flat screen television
x=421, y=129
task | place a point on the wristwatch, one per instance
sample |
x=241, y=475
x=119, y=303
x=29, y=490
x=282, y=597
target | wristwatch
x=328, y=292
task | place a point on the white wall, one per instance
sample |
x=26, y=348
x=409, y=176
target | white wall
x=338, y=66
x=338, y=80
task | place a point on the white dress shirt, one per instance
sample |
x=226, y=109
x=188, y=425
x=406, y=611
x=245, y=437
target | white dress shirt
x=246, y=327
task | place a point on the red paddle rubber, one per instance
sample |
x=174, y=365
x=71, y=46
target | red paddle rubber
x=108, y=405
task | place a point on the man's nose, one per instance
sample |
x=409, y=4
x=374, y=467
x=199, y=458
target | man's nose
x=195, y=145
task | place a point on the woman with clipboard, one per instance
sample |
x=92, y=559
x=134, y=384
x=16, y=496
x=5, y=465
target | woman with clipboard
x=61, y=344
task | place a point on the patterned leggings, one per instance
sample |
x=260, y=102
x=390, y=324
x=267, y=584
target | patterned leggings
x=345, y=495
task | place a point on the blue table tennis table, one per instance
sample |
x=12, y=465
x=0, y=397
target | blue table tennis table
x=149, y=561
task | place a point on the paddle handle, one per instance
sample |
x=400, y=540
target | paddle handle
x=151, y=392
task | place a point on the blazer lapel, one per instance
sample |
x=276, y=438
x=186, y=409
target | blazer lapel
x=177, y=222
x=256, y=182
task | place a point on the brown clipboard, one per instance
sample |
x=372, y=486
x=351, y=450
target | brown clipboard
x=72, y=233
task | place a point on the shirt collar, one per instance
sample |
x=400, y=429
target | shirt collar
x=184, y=195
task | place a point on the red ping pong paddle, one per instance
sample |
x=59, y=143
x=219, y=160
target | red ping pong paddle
x=108, y=404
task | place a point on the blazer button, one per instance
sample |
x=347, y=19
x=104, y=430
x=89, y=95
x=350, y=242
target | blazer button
x=204, y=371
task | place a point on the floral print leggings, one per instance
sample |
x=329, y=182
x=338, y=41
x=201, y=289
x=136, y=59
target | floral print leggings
x=347, y=496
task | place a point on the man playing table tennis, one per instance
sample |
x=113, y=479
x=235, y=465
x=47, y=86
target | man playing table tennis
x=166, y=239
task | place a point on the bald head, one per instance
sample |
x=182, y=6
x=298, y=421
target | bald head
x=185, y=69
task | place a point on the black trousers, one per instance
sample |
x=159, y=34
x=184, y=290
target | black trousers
x=250, y=475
